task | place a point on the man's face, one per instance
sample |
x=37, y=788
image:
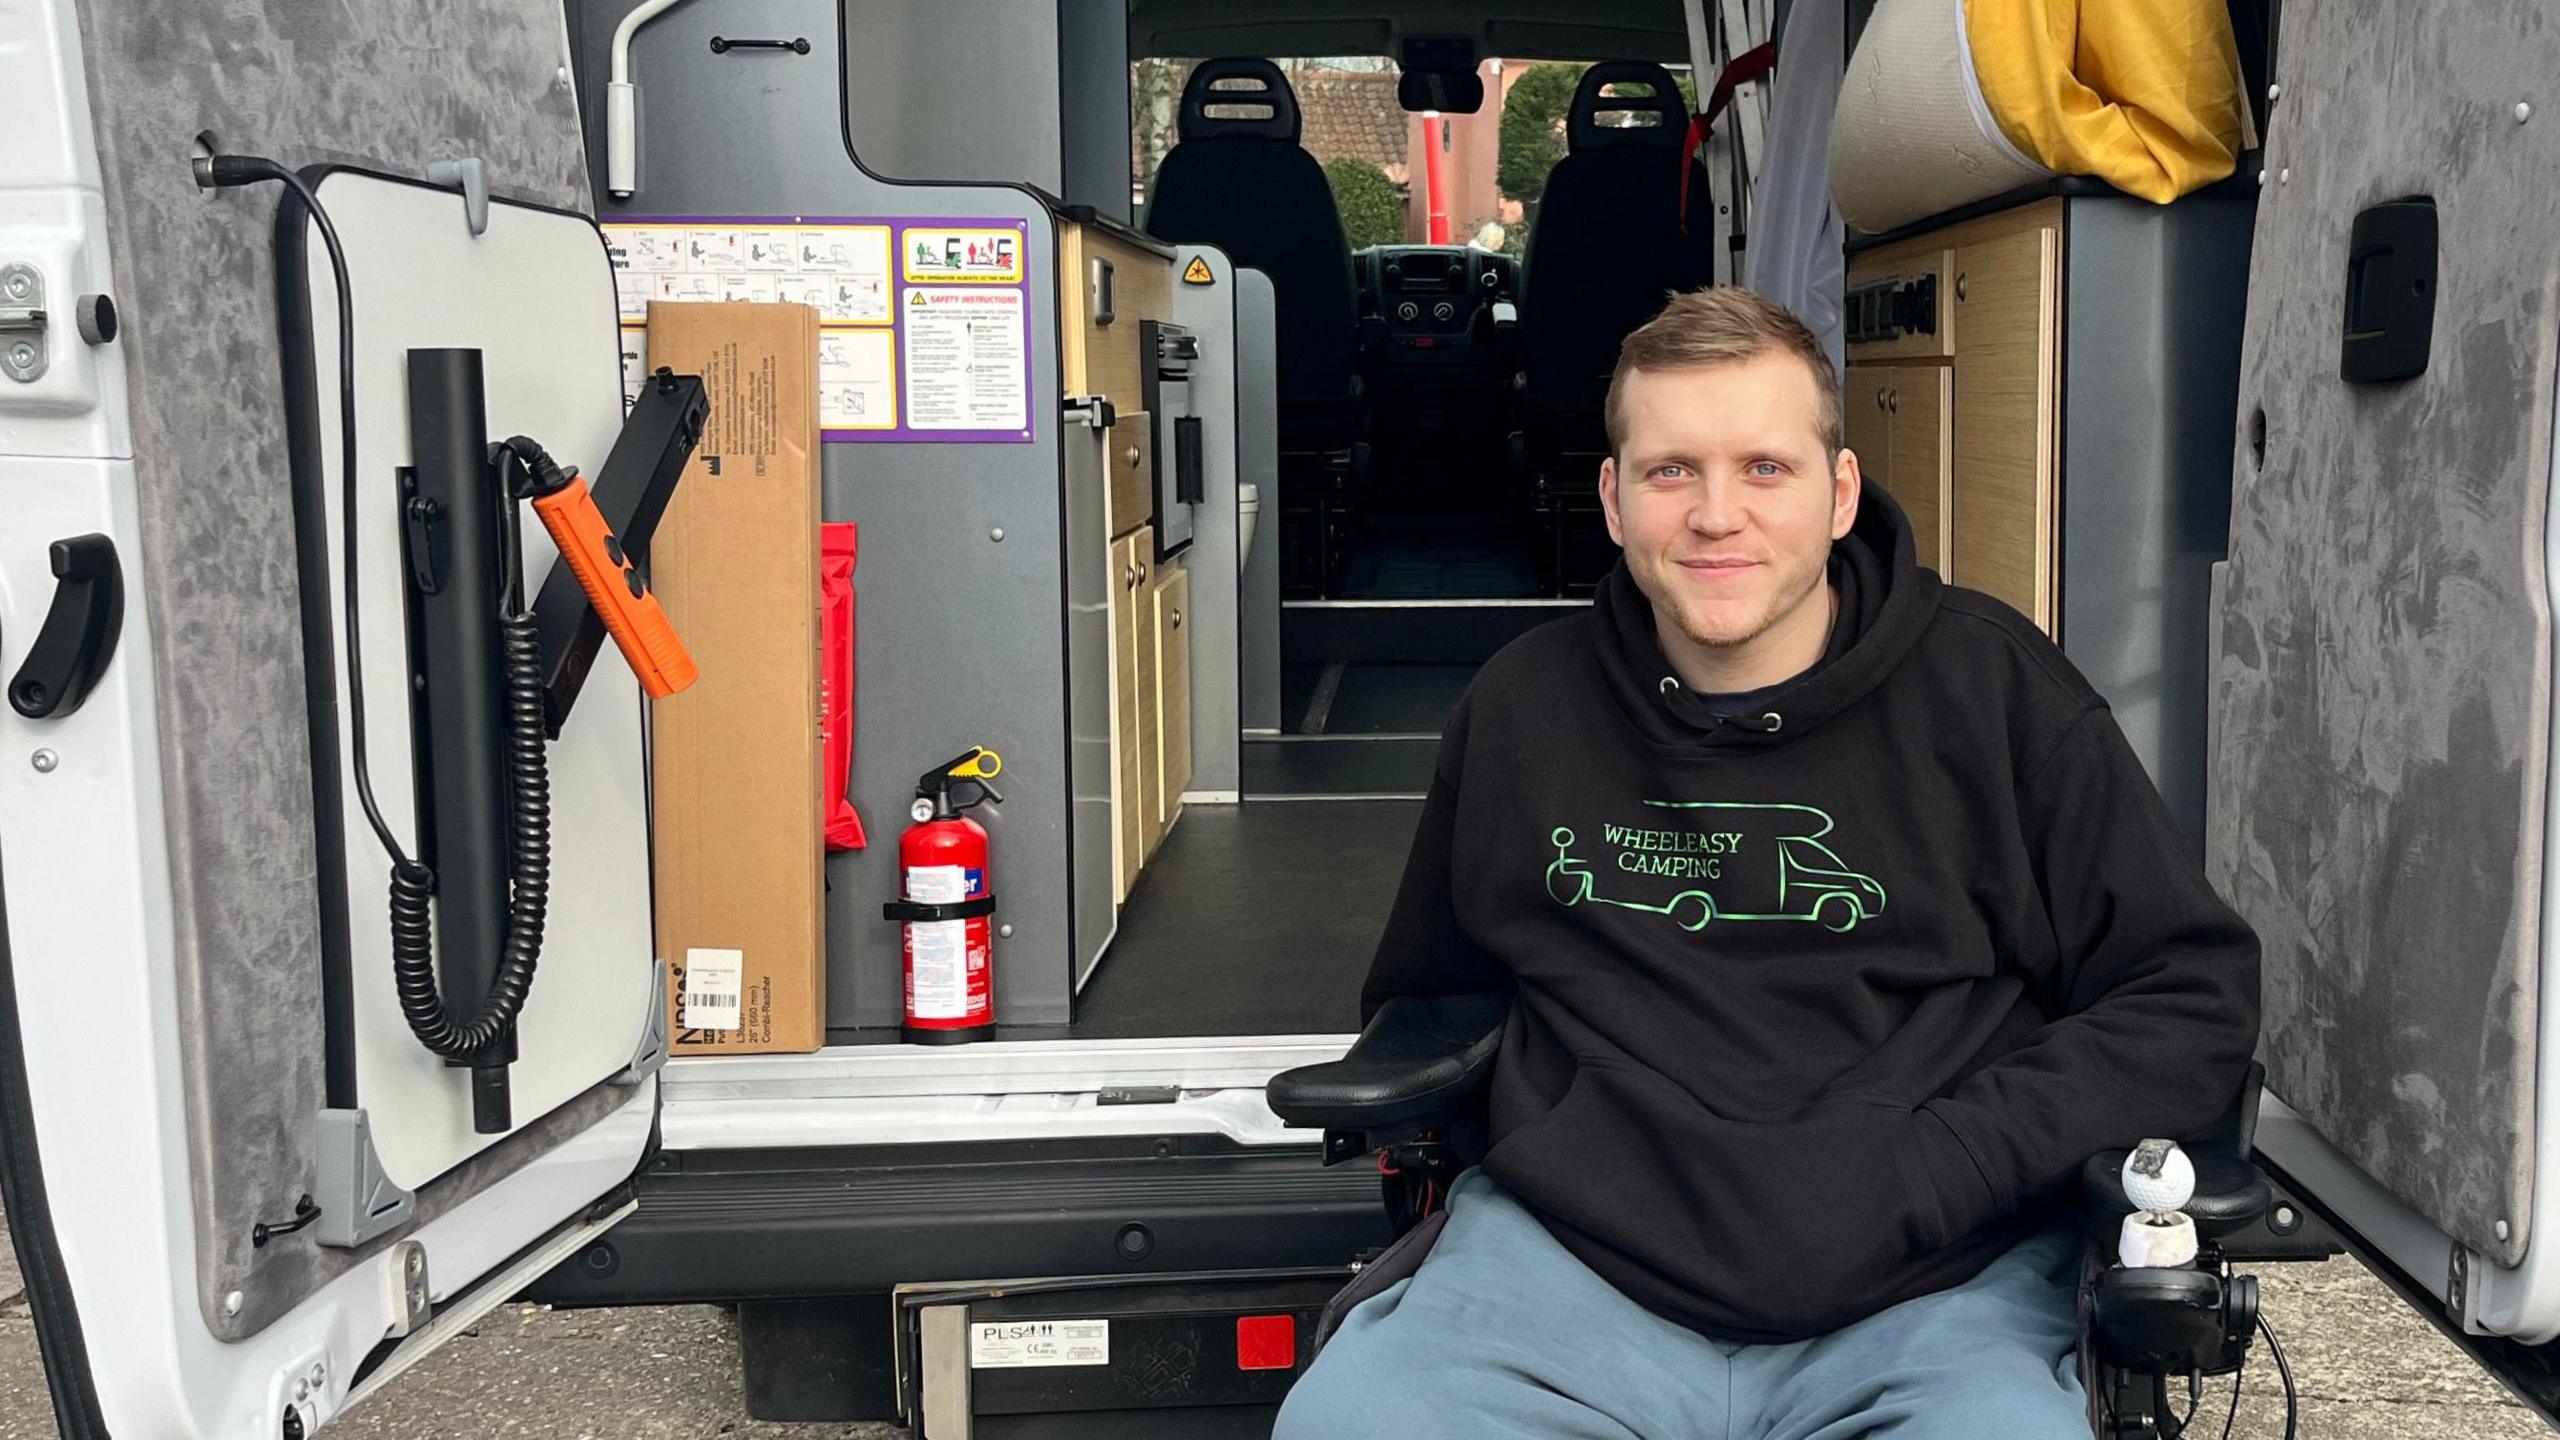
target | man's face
x=1724, y=498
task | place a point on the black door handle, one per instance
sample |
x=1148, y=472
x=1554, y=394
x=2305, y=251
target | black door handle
x=2391, y=301
x=79, y=634
x=1187, y=461
x=722, y=45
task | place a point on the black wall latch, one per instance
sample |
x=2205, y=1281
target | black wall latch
x=79, y=634
x=2391, y=292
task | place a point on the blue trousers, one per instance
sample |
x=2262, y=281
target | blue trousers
x=1502, y=1333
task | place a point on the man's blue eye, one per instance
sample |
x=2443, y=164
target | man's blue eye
x=1768, y=468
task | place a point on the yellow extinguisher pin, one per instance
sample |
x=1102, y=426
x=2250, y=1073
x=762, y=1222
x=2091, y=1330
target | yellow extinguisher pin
x=985, y=765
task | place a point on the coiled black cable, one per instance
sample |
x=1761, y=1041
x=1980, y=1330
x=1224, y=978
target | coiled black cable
x=529, y=825
x=413, y=885
x=525, y=469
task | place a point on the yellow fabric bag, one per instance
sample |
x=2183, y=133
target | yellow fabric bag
x=2143, y=94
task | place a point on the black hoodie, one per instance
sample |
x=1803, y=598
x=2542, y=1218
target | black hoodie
x=1816, y=1006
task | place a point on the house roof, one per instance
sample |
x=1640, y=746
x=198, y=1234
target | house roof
x=1353, y=113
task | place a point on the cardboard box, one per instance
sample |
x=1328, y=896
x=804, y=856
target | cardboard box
x=735, y=771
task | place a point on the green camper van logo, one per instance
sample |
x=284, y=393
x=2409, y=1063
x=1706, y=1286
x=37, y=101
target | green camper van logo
x=1703, y=861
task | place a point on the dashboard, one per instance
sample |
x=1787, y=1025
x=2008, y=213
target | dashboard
x=1434, y=299
x=1439, y=350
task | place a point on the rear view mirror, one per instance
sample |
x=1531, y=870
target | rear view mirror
x=1439, y=74
x=1451, y=92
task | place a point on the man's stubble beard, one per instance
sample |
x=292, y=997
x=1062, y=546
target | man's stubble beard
x=1779, y=604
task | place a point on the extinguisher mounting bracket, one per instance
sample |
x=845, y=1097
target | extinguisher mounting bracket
x=922, y=913
x=965, y=774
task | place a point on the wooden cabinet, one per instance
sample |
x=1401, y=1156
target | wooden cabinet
x=1151, y=699
x=1107, y=283
x=1133, y=678
x=1967, y=442
x=1865, y=425
x=1895, y=419
x=1173, y=692
x=1129, y=454
x=1147, y=797
x=2003, y=539
x=1919, y=399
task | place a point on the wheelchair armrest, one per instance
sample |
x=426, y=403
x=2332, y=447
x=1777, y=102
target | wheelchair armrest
x=2230, y=1192
x=1417, y=1059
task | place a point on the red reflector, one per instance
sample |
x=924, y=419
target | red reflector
x=1266, y=1342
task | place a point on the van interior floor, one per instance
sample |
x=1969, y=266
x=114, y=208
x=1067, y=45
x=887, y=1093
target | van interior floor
x=1367, y=686
x=1441, y=557
x=1338, y=697
x=1254, y=919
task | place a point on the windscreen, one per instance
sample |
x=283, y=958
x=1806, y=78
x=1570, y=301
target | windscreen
x=1375, y=154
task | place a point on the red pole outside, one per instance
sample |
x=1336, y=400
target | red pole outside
x=1435, y=139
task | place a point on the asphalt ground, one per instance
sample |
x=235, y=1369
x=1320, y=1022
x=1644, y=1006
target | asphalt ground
x=2364, y=1365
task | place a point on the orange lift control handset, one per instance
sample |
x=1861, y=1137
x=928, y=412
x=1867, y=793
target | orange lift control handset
x=631, y=614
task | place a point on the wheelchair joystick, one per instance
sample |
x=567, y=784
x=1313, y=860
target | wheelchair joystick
x=2159, y=1179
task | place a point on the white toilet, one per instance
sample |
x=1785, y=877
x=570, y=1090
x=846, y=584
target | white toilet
x=1248, y=510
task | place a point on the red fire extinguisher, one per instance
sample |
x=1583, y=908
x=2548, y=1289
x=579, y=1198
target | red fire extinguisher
x=946, y=901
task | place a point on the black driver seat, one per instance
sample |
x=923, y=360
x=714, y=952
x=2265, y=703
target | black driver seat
x=1238, y=180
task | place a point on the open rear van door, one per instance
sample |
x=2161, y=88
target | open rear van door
x=241, y=1191
x=2382, y=723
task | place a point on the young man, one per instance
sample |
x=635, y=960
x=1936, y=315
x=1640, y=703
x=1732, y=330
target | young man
x=1842, y=926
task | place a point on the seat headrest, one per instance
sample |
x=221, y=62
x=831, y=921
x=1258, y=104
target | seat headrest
x=1670, y=122
x=1251, y=96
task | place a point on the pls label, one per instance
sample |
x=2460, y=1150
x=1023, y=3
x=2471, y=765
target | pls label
x=1022, y=1344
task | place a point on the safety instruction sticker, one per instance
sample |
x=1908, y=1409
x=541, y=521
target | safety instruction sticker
x=978, y=256
x=841, y=271
x=857, y=376
x=712, y=980
x=1025, y=1344
x=889, y=367
x=857, y=380
x=967, y=368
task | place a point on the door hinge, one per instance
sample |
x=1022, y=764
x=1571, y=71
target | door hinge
x=405, y=1280
x=23, y=323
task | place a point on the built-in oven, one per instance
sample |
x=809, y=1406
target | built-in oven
x=1178, y=470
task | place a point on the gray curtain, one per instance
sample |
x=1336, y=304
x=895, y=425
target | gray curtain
x=1794, y=256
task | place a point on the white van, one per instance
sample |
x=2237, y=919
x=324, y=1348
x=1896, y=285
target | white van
x=1198, y=484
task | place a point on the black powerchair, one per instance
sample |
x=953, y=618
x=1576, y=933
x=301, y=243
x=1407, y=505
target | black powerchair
x=1410, y=1093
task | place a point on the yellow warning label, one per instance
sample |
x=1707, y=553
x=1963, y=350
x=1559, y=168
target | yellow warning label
x=1198, y=273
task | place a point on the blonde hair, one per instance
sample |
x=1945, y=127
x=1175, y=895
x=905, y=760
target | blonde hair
x=1723, y=325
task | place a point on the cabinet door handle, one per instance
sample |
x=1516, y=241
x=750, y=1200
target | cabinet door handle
x=1135, y=456
x=1893, y=401
x=1959, y=285
x=1879, y=397
x=1177, y=619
